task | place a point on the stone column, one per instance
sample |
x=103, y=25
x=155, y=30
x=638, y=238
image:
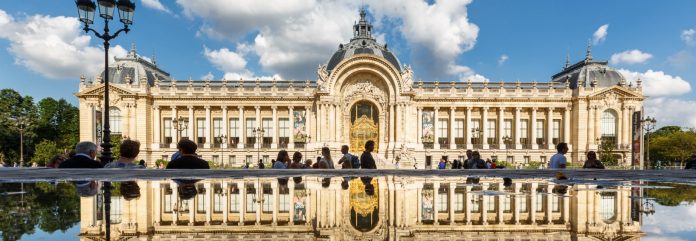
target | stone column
x=621, y=132
x=191, y=124
x=533, y=121
x=500, y=205
x=158, y=202
x=158, y=130
x=484, y=205
x=308, y=127
x=549, y=128
x=175, y=132
x=516, y=205
x=259, y=196
x=397, y=122
x=242, y=209
x=291, y=193
x=320, y=124
x=566, y=125
x=242, y=126
x=208, y=203
x=548, y=206
x=598, y=127
x=192, y=211
x=419, y=194
x=452, y=186
x=258, y=126
x=175, y=195
x=566, y=209
x=276, y=195
x=436, y=136
x=590, y=128
x=451, y=128
x=207, y=128
x=419, y=127
x=319, y=212
x=291, y=123
x=338, y=116
x=532, y=203
x=274, y=143
x=225, y=202
x=517, y=133
x=467, y=205
x=467, y=129
x=436, y=188
x=225, y=130
x=391, y=124
x=484, y=119
x=331, y=117
x=501, y=124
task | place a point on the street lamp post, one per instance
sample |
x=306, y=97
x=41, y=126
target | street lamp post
x=507, y=140
x=258, y=132
x=223, y=140
x=180, y=124
x=86, y=10
x=21, y=123
x=648, y=125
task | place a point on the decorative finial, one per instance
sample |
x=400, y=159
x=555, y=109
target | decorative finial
x=567, y=63
x=132, y=52
x=588, y=54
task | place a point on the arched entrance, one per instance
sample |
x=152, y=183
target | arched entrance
x=364, y=203
x=364, y=119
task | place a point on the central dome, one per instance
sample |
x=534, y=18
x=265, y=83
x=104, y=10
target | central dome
x=362, y=43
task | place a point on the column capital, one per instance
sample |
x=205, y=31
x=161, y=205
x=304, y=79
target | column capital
x=485, y=108
x=469, y=108
x=550, y=108
x=223, y=107
x=534, y=108
x=291, y=108
x=207, y=107
x=257, y=107
x=274, y=107
x=518, y=109
x=190, y=107
x=419, y=108
x=240, y=107
x=156, y=107
x=453, y=108
x=436, y=108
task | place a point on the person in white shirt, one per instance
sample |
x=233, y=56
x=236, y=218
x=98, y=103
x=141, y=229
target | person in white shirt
x=558, y=161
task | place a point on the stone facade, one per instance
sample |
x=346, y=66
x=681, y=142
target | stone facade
x=402, y=208
x=415, y=123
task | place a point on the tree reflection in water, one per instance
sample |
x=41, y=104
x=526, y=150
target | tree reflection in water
x=26, y=207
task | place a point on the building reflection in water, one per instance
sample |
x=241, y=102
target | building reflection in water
x=380, y=208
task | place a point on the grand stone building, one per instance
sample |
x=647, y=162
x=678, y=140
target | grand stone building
x=364, y=93
x=401, y=208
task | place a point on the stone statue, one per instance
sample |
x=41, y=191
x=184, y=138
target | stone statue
x=323, y=77
x=407, y=76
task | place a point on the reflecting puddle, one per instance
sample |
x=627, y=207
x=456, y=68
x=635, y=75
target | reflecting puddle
x=348, y=208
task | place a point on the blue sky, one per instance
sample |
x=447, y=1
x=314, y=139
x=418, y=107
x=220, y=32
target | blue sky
x=43, y=52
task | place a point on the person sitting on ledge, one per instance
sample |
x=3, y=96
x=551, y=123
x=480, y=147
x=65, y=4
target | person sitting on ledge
x=129, y=150
x=188, y=159
x=85, y=152
x=592, y=161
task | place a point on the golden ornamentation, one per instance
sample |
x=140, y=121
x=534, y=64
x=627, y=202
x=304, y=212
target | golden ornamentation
x=363, y=129
x=360, y=202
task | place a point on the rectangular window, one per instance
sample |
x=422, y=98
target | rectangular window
x=284, y=127
x=523, y=203
x=184, y=128
x=250, y=134
x=200, y=130
x=216, y=159
x=507, y=128
x=507, y=206
x=524, y=128
x=234, y=127
x=116, y=212
x=442, y=202
x=167, y=202
x=267, y=125
x=554, y=204
x=184, y=205
x=167, y=133
x=459, y=128
x=476, y=204
x=556, y=131
x=526, y=159
x=442, y=125
x=284, y=204
x=232, y=160
x=475, y=131
x=491, y=203
x=249, y=159
x=540, y=132
x=267, y=203
x=250, y=202
x=539, y=204
x=218, y=202
x=235, y=199
x=492, y=134
x=200, y=202
x=459, y=202
x=217, y=130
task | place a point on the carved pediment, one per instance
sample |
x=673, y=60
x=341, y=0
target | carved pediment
x=99, y=90
x=615, y=92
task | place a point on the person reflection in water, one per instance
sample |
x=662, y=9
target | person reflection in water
x=188, y=159
x=130, y=190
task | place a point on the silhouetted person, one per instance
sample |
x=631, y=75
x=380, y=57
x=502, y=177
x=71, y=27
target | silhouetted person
x=85, y=152
x=188, y=159
x=476, y=162
x=296, y=161
x=142, y=163
x=456, y=164
x=326, y=162
x=261, y=165
x=691, y=163
x=592, y=161
x=558, y=160
x=55, y=161
x=466, y=163
x=282, y=161
x=366, y=159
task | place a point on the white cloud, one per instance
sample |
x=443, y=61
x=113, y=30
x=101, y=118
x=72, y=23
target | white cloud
x=225, y=60
x=54, y=47
x=157, y=5
x=671, y=111
x=688, y=37
x=465, y=73
x=503, y=58
x=681, y=60
x=600, y=35
x=293, y=37
x=208, y=76
x=630, y=57
x=657, y=83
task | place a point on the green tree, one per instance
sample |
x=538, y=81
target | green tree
x=116, y=149
x=15, y=105
x=44, y=151
x=606, y=155
x=58, y=121
x=674, y=147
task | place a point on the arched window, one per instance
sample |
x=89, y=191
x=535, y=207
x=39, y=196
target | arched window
x=115, y=120
x=608, y=123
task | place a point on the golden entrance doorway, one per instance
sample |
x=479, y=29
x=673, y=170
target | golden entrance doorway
x=364, y=119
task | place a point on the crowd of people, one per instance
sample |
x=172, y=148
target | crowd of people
x=85, y=156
